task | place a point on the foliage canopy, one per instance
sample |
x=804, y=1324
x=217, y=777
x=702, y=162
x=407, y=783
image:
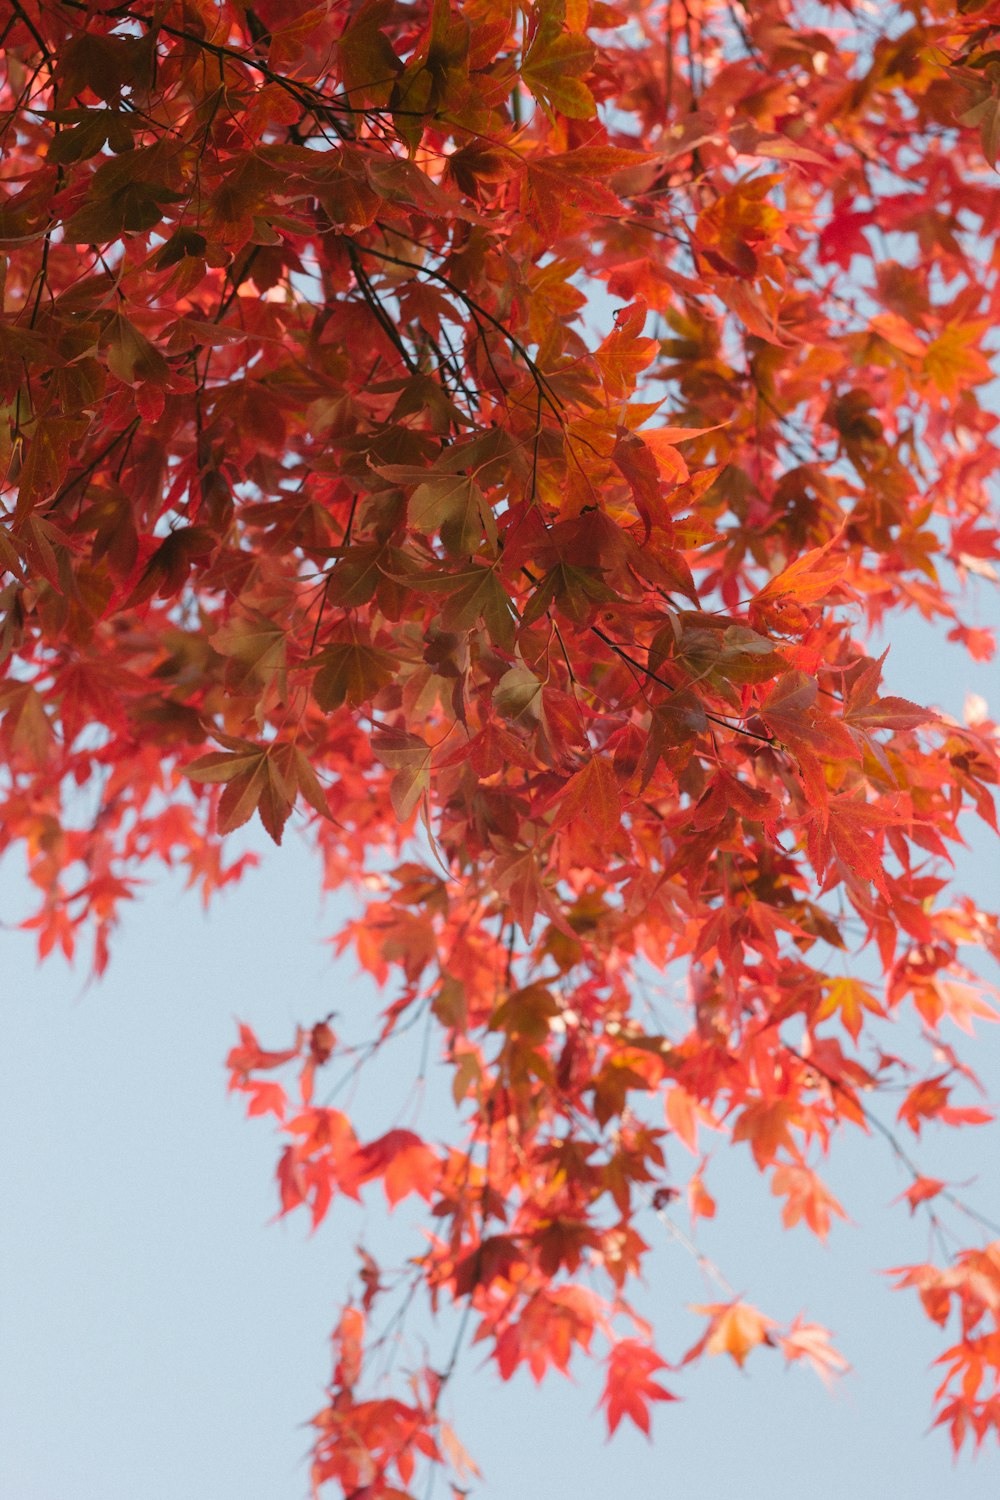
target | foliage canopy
x=489, y=434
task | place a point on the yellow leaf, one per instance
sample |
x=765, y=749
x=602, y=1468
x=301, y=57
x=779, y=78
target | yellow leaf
x=851, y=998
x=953, y=361
x=735, y=1329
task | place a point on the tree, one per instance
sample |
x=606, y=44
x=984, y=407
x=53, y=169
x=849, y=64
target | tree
x=490, y=434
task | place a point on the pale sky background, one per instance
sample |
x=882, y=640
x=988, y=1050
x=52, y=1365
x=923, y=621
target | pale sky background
x=164, y=1340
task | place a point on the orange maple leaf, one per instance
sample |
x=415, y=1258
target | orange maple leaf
x=734, y=1328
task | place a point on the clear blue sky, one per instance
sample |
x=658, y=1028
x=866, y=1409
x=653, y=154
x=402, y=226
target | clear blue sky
x=162, y=1340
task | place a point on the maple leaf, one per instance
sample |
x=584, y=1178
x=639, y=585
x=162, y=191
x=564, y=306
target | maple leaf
x=588, y=169
x=921, y=1190
x=735, y=1328
x=810, y=1342
x=368, y=64
x=624, y=353
x=292, y=1184
x=248, y=1056
x=454, y=505
x=348, y=1339
x=403, y=1162
x=526, y=1013
x=806, y=1198
x=25, y=727
x=255, y=647
x=133, y=357
x=410, y=757
x=266, y=1098
x=804, y=581
x=767, y=1126
x=701, y=1204
x=851, y=999
x=518, y=694
x=924, y=1101
x=474, y=594
x=636, y=460
x=45, y=461
x=494, y=1258
x=888, y=713
x=350, y=672
x=589, y=807
x=629, y=1386
x=953, y=361
x=856, y=845
x=168, y=567
x=684, y=1115
x=843, y=237
x=519, y=877
x=556, y=63
x=258, y=778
